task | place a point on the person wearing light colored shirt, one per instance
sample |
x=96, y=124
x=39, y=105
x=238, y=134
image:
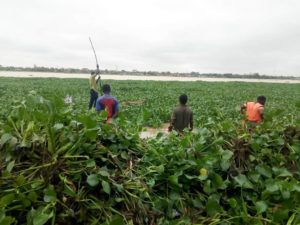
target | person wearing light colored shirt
x=93, y=88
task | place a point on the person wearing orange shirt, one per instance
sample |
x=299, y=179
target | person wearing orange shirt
x=254, y=110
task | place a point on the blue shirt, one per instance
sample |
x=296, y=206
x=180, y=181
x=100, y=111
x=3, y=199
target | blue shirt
x=108, y=103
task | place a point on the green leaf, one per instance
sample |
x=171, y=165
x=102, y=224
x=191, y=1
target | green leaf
x=282, y=172
x=207, y=187
x=285, y=194
x=217, y=181
x=5, y=138
x=243, y=181
x=7, y=220
x=273, y=187
x=212, y=207
x=103, y=172
x=10, y=166
x=106, y=187
x=90, y=163
x=6, y=200
x=116, y=220
x=41, y=218
x=58, y=126
x=160, y=168
x=264, y=170
x=261, y=207
x=232, y=202
x=93, y=180
x=20, y=180
x=50, y=194
x=174, y=180
x=226, y=155
x=69, y=191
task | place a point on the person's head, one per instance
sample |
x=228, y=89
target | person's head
x=183, y=99
x=261, y=99
x=93, y=73
x=106, y=89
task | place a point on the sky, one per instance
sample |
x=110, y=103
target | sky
x=205, y=36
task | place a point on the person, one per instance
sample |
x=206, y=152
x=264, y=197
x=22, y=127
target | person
x=182, y=116
x=93, y=87
x=254, y=110
x=108, y=103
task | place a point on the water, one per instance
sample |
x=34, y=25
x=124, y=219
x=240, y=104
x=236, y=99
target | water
x=133, y=77
x=149, y=132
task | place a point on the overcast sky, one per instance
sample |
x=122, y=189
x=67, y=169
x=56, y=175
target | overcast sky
x=223, y=36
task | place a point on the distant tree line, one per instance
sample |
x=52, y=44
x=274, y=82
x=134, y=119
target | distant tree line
x=142, y=73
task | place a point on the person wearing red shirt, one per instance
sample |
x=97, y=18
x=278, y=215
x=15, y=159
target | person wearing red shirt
x=108, y=103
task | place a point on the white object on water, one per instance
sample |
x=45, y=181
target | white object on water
x=68, y=99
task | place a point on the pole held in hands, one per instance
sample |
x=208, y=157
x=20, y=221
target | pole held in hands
x=97, y=64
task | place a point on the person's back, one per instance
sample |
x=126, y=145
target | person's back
x=108, y=103
x=254, y=110
x=182, y=116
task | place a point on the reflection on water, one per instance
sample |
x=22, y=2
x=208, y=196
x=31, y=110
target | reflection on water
x=132, y=77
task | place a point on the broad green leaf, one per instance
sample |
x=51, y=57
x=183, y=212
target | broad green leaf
x=282, y=172
x=261, y=207
x=7, y=220
x=264, y=170
x=103, y=172
x=285, y=194
x=213, y=207
x=226, y=155
x=10, y=166
x=174, y=180
x=232, y=202
x=243, y=181
x=90, y=163
x=6, y=200
x=5, y=138
x=58, y=126
x=273, y=187
x=106, y=187
x=93, y=180
x=41, y=218
x=20, y=180
x=50, y=194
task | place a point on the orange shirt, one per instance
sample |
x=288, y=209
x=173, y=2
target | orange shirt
x=254, y=111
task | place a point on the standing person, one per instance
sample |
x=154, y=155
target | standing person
x=182, y=116
x=254, y=110
x=108, y=103
x=93, y=87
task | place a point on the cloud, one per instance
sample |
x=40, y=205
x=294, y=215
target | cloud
x=171, y=35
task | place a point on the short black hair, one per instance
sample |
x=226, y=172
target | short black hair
x=93, y=72
x=261, y=99
x=106, y=88
x=183, y=99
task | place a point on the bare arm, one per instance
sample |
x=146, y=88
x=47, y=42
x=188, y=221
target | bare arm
x=98, y=79
x=261, y=112
x=243, y=108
